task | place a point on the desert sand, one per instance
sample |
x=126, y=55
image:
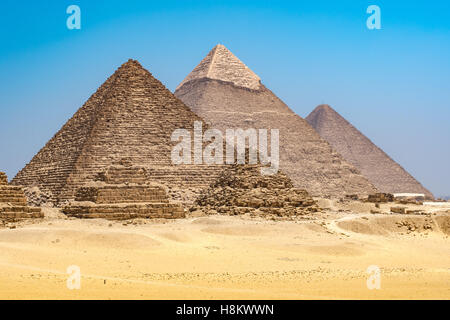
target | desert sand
x=229, y=257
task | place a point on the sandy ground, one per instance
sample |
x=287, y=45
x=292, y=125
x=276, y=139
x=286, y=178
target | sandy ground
x=221, y=257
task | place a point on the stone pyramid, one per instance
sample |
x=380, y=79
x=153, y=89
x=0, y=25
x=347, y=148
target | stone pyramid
x=383, y=172
x=132, y=115
x=13, y=203
x=241, y=189
x=123, y=191
x=227, y=94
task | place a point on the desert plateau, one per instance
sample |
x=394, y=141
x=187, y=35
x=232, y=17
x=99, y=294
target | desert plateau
x=324, y=256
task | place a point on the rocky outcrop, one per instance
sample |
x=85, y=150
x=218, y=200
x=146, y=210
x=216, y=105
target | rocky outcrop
x=3, y=178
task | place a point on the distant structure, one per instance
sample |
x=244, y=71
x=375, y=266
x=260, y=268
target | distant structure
x=132, y=115
x=227, y=94
x=13, y=203
x=383, y=172
x=123, y=191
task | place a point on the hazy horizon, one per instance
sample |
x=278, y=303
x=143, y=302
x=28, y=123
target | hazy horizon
x=392, y=84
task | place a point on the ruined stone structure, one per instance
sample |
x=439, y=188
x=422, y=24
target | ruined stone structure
x=123, y=192
x=380, y=197
x=3, y=178
x=13, y=203
x=383, y=172
x=132, y=115
x=227, y=94
x=242, y=189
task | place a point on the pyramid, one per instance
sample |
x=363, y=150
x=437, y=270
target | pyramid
x=383, y=172
x=132, y=115
x=123, y=191
x=13, y=203
x=227, y=94
x=241, y=189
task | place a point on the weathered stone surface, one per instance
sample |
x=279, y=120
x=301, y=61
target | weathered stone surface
x=124, y=212
x=13, y=195
x=108, y=197
x=400, y=210
x=13, y=203
x=131, y=116
x=383, y=172
x=380, y=197
x=242, y=189
x=409, y=198
x=121, y=194
x=305, y=157
x=351, y=197
x=415, y=212
x=19, y=212
x=3, y=178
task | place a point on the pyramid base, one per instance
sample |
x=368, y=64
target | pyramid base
x=263, y=212
x=125, y=211
x=14, y=213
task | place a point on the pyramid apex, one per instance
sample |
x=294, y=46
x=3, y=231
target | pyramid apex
x=324, y=107
x=221, y=64
x=131, y=63
x=3, y=178
x=320, y=112
x=131, y=66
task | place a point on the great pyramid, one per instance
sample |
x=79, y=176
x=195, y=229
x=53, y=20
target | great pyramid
x=227, y=94
x=132, y=115
x=383, y=172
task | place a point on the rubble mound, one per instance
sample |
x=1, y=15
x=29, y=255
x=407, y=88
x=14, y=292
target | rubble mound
x=13, y=203
x=37, y=198
x=111, y=196
x=242, y=189
x=3, y=178
x=380, y=197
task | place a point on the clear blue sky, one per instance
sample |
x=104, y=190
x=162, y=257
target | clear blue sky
x=393, y=84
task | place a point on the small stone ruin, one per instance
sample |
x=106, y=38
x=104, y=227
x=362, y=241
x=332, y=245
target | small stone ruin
x=242, y=189
x=13, y=203
x=123, y=192
x=380, y=198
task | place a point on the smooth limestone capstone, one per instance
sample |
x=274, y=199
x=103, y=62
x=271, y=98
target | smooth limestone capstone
x=123, y=192
x=241, y=189
x=13, y=203
x=383, y=172
x=224, y=92
x=132, y=115
x=222, y=65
